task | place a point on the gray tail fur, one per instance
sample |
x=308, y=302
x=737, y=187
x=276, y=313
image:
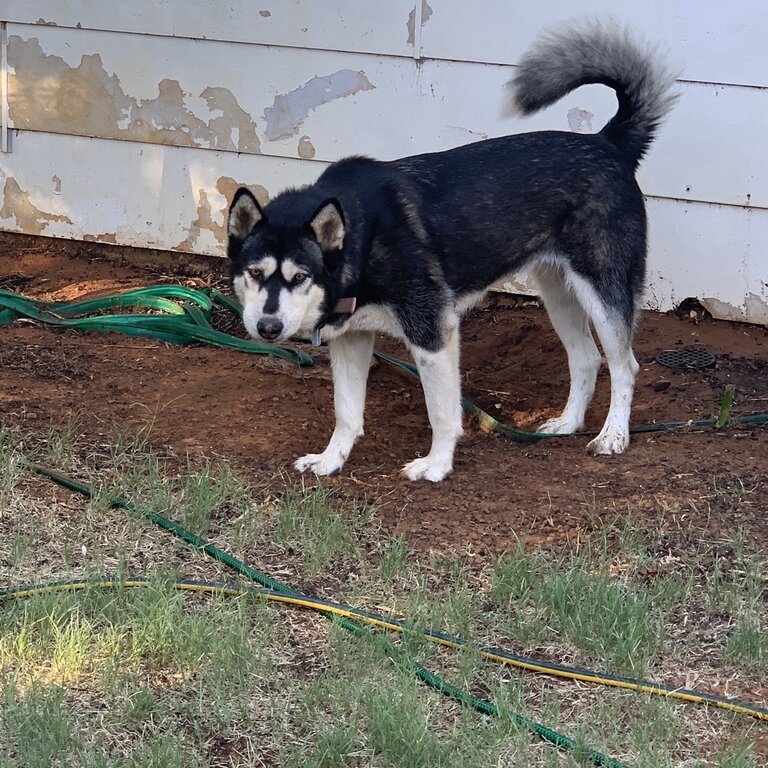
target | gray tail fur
x=595, y=53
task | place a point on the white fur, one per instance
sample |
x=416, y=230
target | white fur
x=267, y=265
x=469, y=300
x=298, y=308
x=377, y=318
x=350, y=360
x=441, y=381
x=351, y=347
x=572, y=303
x=289, y=269
x=571, y=323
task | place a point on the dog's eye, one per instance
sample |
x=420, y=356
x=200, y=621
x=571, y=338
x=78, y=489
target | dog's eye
x=299, y=277
x=256, y=274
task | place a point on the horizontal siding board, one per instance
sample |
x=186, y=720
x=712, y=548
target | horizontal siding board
x=331, y=24
x=326, y=105
x=713, y=42
x=134, y=194
x=176, y=198
x=717, y=254
x=710, y=41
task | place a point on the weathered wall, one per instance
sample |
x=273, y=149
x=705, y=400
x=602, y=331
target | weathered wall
x=133, y=122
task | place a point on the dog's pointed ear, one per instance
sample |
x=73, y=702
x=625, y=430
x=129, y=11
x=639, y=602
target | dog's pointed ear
x=328, y=226
x=244, y=214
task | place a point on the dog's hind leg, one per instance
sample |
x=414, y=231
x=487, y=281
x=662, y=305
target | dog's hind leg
x=441, y=381
x=350, y=356
x=614, y=330
x=616, y=339
x=571, y=323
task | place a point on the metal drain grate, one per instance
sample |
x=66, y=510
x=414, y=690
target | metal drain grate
x=685, y=357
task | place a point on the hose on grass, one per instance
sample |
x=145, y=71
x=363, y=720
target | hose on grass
x=457, y=694
x=185, y=319
x=383, y=621
x=287, y=593
x=182, y=316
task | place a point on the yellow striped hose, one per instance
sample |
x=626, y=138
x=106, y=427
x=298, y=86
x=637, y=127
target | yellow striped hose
x=390, y=623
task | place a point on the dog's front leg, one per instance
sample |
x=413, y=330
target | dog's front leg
x=350, y=360
x=440, y=378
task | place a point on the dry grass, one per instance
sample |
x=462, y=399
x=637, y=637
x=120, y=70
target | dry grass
x=153, y=677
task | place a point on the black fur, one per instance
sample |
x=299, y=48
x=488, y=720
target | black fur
x=416, y=241
x=422, y=232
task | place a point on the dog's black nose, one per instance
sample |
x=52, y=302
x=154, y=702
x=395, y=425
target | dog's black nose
x=269, y=328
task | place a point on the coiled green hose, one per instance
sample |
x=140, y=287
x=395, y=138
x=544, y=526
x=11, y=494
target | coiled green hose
x=185, y=317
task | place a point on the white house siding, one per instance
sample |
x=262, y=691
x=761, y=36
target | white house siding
x=133, y=123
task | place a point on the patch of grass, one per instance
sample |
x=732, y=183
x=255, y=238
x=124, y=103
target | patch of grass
x=211, y=490
x=61, y=445
x=149, y=654
x=738, y=755
x=393, y=561
x=19, y=547
x=748, y=643
x=398, y=728
x=155, y=677
x=308, y=524
x=12, y=461
x=38, y=730
x=576, y=596
x=34, y=727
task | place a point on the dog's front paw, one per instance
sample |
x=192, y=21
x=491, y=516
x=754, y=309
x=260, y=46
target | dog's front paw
x=559, y=426
x=608, y=442
x=427, y=468
x=320, y=463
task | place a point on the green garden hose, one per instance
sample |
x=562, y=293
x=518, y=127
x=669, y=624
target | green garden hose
x=287, y=593
x=186, y=319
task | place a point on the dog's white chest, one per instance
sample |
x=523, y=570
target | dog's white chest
x=378, y=318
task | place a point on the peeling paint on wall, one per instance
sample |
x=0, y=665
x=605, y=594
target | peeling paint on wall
x=580, y=120
x=104, y=237
x=47, y=94
x=754, y=309
x=289, y=110
x=227, y=186
x=28, y=217
x=205, y=221
x=306, y=148
x=233, y=118
x=426, y=13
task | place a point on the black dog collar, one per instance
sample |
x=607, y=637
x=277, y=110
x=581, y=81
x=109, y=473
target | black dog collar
x=343, y=307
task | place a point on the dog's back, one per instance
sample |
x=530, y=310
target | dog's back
x=499, y=203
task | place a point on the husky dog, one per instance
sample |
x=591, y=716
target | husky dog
x=405, y=247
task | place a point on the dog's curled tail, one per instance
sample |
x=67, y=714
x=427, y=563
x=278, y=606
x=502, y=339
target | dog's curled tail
x=599, y=53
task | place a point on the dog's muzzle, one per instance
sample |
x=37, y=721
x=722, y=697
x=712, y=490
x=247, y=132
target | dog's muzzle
x=269, y=328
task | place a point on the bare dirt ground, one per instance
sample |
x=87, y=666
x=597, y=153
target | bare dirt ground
x=262, y=414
